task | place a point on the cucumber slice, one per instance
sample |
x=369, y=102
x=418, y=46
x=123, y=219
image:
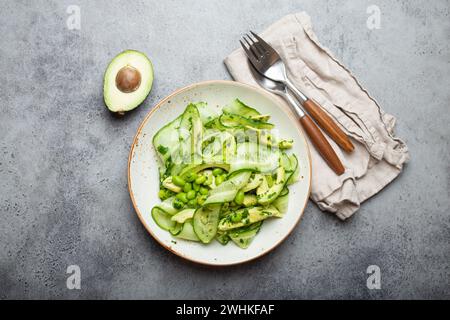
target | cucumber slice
x=227, y=191
x=282, y=202
x=215, y=124
x=238, y=107
x=205, y=222
x=294, y=177
x=285, y=162
x=273, y=192
x=183, y=215
x=196, y=168
x=243, y=237
x=190, y=135
x=207, y=113
x=222, y=237
x=162, y=219
x=255, y=157
x=231, y=120
x=187, y=232
x=261, y=117
x=165, y=142
x=254, y=182
x=167, y=206
x=176, y=229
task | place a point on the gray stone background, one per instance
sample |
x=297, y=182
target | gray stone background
x=63, y=182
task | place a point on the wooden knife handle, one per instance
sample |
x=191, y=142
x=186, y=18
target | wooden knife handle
x=328, y=125
x=322, y=145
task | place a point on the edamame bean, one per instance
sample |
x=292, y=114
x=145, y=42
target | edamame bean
x=191, y=195
x=200, y=180
x=203, y=190
x=217, y=172
x=196, y=186
x=192, y=203
x=219, y=180
x=179, y=181
x=187, y=187
x=182, y=196
x=191, y=176
x=239, y=199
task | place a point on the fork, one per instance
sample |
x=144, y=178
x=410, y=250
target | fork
x=316, y=136
x=268, y=62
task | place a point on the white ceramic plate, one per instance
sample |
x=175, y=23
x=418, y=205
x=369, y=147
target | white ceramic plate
x=143, y=177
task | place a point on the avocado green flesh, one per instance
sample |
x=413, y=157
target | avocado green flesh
x=117, y=100
x=243, y=237
x=250, y=216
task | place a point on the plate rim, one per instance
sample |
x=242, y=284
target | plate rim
x=130, y=156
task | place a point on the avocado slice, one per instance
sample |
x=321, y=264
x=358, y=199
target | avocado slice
x=249, y=216
x=127, y=82
x=250, y=200
x=243, y=237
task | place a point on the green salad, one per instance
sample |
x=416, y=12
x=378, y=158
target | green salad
x=223, y=171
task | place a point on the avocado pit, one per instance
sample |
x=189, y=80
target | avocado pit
x=128, y=79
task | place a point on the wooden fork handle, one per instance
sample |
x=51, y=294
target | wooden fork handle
x=328, y=125
x=321, y=143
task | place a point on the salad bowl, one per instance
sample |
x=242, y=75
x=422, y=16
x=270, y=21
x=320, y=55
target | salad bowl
x=144, y=179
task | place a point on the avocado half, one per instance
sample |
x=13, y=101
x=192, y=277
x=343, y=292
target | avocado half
x=127, y=81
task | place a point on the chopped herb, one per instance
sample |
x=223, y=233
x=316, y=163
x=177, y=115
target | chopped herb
x=163, y=150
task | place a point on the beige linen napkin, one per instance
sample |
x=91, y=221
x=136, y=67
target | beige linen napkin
x=378, y=157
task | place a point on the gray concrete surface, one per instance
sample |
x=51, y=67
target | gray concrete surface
x=63, y=183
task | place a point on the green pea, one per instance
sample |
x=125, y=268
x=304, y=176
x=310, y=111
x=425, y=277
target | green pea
x=182, y=196
x=191, y=195
x=179, y=181
x=192, y=203
x=187, y=187
x=219, y=180
x=191, y=176
x=203, y=190
x=196, y=186
x=224, y=176
x=217, y=172
x=239, y=199
x=178, y=204
x=200, y=180
x=236, y=216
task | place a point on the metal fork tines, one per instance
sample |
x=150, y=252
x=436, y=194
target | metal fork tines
x=269, y=64
x=267, y=61
x=260, y=53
